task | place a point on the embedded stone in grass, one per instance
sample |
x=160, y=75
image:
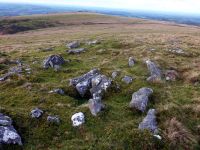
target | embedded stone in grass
x=93, y=42
x=140, y=99
x=36, y=113
x=149, y=122
x=58, y=91
x=115, y=74
x=171, y=75
x=53, y=119
x=52, y=61
x=127, y=79
x=72, y=45
x=78, y=119
x=8, y=135
x=95, y=106
x=76, y=51
x=131, y=61
x=155, y=72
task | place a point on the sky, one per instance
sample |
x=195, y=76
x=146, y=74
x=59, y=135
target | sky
x=179, y=6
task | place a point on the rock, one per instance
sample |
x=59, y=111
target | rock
x=93, y=42
x=177, y=51
x=131, y=62
x=127, y=79
x=47, y=49
x=52, y=61
x=115, y=74
x=53, y=119
x=58, y=91
x=6, y=76
x=76, y=51
x=140, y=99
x=78, y=119
x=36, y=113
x=171, y=75
x=83, y=87
x=95, y=106
x=5, y=120
x=155, y=72
x=8, y=135
x=149, y=122
x=72, y=45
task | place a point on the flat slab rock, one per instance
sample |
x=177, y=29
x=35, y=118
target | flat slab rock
x=140, y=99
x=78, y=119
x=155, y=72
x=8, y=134
x=149, y=122
x=53, y=61
x=57, y=91
x=76, y=51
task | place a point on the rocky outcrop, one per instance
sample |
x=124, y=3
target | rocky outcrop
x=78, y=119
x=149, y=122
x=53, y=61
x=155, y=72
x=140, y=99
x=8, y=134
x=72, y=45
x=76, y=51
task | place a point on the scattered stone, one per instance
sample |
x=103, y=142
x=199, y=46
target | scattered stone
x=155, y=72
x=74, y=44
x=95, y=106
x=76, y=51
x=157, y=136
x=131, y=62
x=58, y=91
x=8, y=134
x=94, y=42
x=127, y=79
x=53, y=61
x=177, y=51
x=53, y=119
x=152, y=49
x=149, y=122
x=140, y=99
x=36, y=113
x=78, y=119
x=115, y=74
x=171, y=75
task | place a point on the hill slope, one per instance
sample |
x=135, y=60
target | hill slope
x=171, y=46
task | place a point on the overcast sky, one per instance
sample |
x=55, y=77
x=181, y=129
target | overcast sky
x=181, y=6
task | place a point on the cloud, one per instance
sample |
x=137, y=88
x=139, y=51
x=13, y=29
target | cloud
x=189, y=6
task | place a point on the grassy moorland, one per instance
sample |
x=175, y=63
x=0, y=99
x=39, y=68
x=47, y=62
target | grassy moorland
x=177, y=103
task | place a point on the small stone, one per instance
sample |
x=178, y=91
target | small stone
x=149, y=122
x=115, y=74
x=131, y=62
x=140, y=99
x=76, y=51
x=127, y=79
x=155, y=72
x=171, y=75
x=36, y=113
x=74, y=44
x=157, y=136
x=58, y=91
x=53, y=61
x=78, y=119
x=5, y=120
x=53, y=119
x=93, y=42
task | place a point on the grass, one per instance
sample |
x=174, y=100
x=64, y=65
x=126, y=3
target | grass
x=116, y=127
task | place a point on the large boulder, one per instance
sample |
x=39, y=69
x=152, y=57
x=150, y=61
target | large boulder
x=78, y=119
x=53, y=61
x=8, y=134
x=95, y=106
x=76, y=51
x=155, y=72
x=140, y=99
x=149, y=122
x=131, y=61
x=72, y=45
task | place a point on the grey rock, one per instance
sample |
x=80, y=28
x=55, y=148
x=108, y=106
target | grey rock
x=52, y=61
x=127, y=79
x=36, y=113
x=177, y=51
x=53, y=119
x=131, y=62
x=58, y=91
x=78, y=119
x=74, y=44
x=95, y=106
x=5, y=120
x=149, y=122
x=76, y=51
x=171, y=75
x=93, y=42
x=8, y=135
x=83, y=87
x=115, y=74
x=140, y=99
x=155, y=72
